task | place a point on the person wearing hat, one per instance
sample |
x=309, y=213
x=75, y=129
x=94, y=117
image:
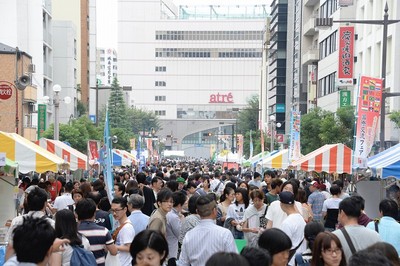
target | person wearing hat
x=181, y=182
x=293, y=225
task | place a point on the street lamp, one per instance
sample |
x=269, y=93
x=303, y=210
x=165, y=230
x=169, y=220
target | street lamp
x=385, y=23
x=274, y=125
x=56, y=102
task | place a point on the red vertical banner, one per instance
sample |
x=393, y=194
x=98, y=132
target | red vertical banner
x=368, y=111
x=93, y=151
x=346, y=56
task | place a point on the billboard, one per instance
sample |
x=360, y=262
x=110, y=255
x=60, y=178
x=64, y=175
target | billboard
x=346, y=56
x=368, y=111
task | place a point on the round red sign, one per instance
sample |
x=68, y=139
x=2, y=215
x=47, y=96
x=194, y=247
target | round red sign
x=5, y=91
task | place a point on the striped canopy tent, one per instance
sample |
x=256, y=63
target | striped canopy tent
x=76, y=159
x=126, y=155
x=28, y=155
x=278, y=160
x=386, y=163
x=330, y=158
x=256, y=159
x=119, y=159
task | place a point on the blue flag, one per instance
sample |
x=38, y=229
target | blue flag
x=251, y=145
x=108, y=175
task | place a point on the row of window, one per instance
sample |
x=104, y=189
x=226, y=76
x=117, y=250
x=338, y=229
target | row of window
x=328, y=8
x=160, y=112
x=208, y=53
x=160, y=98
x=209, y=35
x=161, y=68
x=160, y=83
x=326, y=85
x=328, y=46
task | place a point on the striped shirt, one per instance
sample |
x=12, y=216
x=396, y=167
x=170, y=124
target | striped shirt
x=98, y=237
x=203, y=241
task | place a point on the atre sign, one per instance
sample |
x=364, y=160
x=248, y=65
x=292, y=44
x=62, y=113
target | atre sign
x=221, y=98
x=5, y=91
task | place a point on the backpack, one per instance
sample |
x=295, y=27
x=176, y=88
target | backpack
x=81, y=256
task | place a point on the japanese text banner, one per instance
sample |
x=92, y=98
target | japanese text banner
x=368, y=110
x=346, y=56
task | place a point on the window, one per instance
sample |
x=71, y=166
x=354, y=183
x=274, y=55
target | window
x=160, y=112
x=160, y=83
x=327, y=85
x=327, y=46
x=160, y=98
x=328, y=8
x=161, y=68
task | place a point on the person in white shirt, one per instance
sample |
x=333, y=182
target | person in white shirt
x=293, y=225
x=206, y=238
x=65, y=199
x=275, y=214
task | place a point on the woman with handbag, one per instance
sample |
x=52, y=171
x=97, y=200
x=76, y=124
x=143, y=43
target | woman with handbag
x=254, y=218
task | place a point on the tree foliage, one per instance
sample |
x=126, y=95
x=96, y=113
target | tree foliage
x=248, y=117
x=117, y=110
x=395, y=118
x=320, y=127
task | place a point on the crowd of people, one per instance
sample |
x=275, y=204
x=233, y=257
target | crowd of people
x=197, y=214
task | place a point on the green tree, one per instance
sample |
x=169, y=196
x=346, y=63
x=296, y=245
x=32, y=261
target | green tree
x=248, y=117
x=117, y=108
x=141, y=120
x=76, y=134
x=320, y=127
x=395, y=118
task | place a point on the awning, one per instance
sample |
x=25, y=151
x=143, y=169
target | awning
x=76, y=159
x=28, y=155
x=9, y=167
x=127, y=155
x=278, y=160
x=260, y=157
x=386, y=163
x=119, y=159
x=331, y=158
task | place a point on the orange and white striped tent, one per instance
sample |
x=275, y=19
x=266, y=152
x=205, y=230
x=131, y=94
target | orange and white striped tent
x=330, y=158
x=76, y=159
x=28, y=155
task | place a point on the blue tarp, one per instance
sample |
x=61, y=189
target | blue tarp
x=386, y=163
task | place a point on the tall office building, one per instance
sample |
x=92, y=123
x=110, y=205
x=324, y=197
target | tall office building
x=193, y=66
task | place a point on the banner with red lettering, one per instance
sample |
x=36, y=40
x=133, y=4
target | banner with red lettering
x=93, y=151
x=368, y=111
x=346, y=56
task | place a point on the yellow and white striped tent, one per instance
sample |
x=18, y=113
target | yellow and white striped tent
x=279, y=160
x=28, y=155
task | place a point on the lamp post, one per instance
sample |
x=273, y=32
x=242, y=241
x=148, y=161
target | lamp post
x=56, y=89
x=274, y=125
x=385, y=23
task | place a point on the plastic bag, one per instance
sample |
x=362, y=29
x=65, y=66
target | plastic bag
x=112, y=260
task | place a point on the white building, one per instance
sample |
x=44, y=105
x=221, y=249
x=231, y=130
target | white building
x=191, y=65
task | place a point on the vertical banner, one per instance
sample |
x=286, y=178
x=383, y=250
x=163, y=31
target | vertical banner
x=93, y=151
x=368, y=111
x=108, y=175
x=345, y=98
x=41, y=120
x=149, y=142
x=133, y=144
x=251, y=146
x=346, y=56
x=240, y=145
x=262, y=140
x=294, y=147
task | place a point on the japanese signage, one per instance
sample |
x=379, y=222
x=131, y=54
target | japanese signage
x=368, y=109
x=42, y=113
x=5, y=91
x=93, y=151
x=345, y=99
x=221, y=98
x=346, y=52
x=294, y=148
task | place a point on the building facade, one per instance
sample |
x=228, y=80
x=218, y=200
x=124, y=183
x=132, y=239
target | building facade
x=193, y=66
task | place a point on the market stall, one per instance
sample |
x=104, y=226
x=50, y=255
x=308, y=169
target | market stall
x=278, y=160
x=257, y=159
x=330, y=158
x=8, y=191
x=127, y=155
x=119, y=159
x=76, y=159
x=386, y=164
x=28, y=155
